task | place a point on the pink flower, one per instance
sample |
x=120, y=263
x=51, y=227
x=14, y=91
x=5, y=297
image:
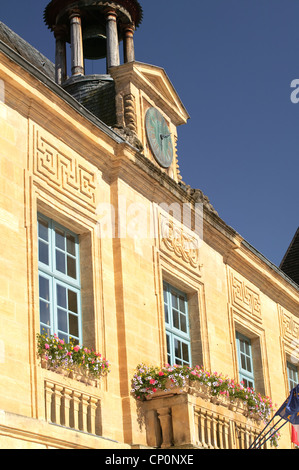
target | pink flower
x=152, y=381
x=161, y=373
x=76, y=348
x=154, y=390
x=193, y=372
x=47, y=346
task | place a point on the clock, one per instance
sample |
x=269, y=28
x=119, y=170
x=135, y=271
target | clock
x=159, y=137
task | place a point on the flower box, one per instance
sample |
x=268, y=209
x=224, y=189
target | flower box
x=152, y=382
x=71, y=360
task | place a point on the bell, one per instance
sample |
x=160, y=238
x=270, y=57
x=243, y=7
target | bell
x=94, y=42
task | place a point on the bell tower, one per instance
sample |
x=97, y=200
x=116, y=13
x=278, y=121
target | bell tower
x=137, y=100
x=94, y=30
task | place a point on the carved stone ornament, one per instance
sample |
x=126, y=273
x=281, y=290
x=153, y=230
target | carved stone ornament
x=289, y=325
x=129, y=136
x=244, y=297
x=62, y=170
x=180, y=241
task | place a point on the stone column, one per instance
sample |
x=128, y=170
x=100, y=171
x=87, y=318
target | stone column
x=164, y=415
x=113, y=59
x=77, y=59
x=129, y=51
x=60, y=54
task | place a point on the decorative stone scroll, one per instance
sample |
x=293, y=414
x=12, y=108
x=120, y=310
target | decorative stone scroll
x=62, y=171
x=180, y=241
x=244, y=297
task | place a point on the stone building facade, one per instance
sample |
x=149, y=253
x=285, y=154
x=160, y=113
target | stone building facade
x=102, y=176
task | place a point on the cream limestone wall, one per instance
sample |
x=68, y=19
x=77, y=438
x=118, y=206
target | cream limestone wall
x=55, y=161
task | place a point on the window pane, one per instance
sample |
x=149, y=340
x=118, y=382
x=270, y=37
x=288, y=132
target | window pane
x=43, y=252
x=182, y=304
x=59, y=239
x=175, y=315
x=183, y=324
x=44, y=288
x=177, y=349
x=43, y=229
x=166, y=313
x=71, y=267
x=72, y=301
x=243, y=362
x=62, y=320
x=60, y=261
x=248, y=364
x=73, y=325
x=174, y=300
x=165, y=295
x=185, y=352
x=71, y=244
x=44, y=311
x=61, y=296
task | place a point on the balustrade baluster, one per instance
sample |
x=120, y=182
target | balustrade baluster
x=48, y=399
x=58, y=411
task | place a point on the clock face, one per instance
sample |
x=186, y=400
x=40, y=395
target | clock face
x=159, y=137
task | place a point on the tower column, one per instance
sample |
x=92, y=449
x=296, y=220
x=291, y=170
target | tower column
x=113, y=59
x=77, y=59
x=129, y=51
x=60, y=54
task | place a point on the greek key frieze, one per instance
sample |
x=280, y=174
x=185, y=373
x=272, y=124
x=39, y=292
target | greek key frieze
x=245, y=297
x=289, y=325
x=62, y=171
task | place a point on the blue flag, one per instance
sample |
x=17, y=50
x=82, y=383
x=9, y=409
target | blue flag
x=290, y=408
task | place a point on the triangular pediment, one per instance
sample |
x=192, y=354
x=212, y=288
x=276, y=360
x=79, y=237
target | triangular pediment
x=156, y=84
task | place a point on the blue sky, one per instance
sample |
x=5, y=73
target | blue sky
x=232, y=63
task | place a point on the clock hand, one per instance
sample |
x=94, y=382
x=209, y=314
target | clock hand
x=164, y=136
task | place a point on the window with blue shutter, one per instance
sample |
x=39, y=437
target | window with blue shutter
x=59, y=281
x=292, y=375
x=246, y=372
x=177, y=326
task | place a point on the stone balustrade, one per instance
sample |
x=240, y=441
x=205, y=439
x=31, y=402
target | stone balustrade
x=187, y=420
x=72, y=404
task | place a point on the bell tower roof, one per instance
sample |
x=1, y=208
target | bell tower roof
x=129, y=10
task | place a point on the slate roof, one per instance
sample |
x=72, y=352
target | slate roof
x=25, y=50
x=290, y=262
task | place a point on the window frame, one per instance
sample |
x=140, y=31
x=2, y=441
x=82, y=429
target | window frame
x=291, y=382
x=172, y=332
x=244, y=374
x=55, y=277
